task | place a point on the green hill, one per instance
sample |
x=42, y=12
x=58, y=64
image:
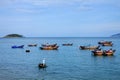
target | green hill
x=13, y=36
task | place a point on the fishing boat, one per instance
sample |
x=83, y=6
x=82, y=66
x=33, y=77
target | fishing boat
x=68, y=44
x=32, y=45
x=89, y=47
x=104, y=42
x=49, y=48
x=17, y=46
x=98, y=52
x=49, y=45
x=27, y=50
x=109, y=52
x=107, y=44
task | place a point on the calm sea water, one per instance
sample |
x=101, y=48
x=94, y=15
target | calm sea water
x=66, y=63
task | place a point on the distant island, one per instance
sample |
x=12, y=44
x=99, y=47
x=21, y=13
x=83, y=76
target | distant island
x=13, y=36
x=116, y=35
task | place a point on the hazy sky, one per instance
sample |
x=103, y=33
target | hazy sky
x=60, y=18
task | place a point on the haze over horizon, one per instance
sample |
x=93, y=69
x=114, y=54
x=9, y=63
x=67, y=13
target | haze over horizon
x=60, y=18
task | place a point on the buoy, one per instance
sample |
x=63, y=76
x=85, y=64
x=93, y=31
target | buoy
x=27, y=50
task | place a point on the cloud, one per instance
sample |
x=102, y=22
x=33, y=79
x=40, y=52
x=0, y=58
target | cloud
x=84, y=8
x=47, y=3
x=53, y=2
x=40, y=2
x=81, y=4
x=5, y=2
x=24, y=10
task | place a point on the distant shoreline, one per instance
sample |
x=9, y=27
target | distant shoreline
x=57, y=37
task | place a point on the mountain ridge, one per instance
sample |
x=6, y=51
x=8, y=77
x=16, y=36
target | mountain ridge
x=116, y=35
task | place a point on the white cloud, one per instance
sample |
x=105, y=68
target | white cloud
x=81, y=4
x=54, y=2
x=5, y=2
x=45, y=2
x=24, y=10
x=84, y=8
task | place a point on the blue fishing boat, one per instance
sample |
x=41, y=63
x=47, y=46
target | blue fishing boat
x=18, y=46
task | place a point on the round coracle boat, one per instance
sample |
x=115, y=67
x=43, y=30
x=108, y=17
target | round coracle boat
x=41, y=65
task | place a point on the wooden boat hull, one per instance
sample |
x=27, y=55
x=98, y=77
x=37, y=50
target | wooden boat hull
x=49, y=45
x=89, y=47
x=103, y=53
x=49, y=48
x=106, y=44
x=109, y=53
x=100, y=53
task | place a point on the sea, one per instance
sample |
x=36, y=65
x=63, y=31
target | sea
x=66, y=63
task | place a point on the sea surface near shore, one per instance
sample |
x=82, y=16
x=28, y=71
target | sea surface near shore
x=66, y=63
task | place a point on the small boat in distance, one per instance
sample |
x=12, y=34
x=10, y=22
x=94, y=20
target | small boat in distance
x=32, y=45
x=49, y=45
x=68, y=44
x=43, y=64
x=17, y=46
x=49, y=48
x=89, y=47
x=27, y=51
x=105, y=43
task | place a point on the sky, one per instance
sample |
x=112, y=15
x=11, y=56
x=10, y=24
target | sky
x=60, y=18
